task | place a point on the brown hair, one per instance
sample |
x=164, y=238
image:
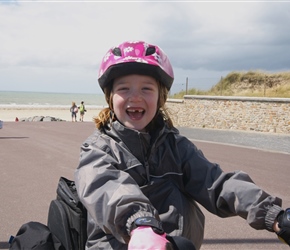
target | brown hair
x=107, y=115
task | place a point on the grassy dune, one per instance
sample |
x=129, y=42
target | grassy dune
x=251, y=83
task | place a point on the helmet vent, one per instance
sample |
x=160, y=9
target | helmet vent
x=150, y=50
x=117, y=52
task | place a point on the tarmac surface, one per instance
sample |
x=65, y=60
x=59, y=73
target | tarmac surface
x=35, y=154
x=264, y=141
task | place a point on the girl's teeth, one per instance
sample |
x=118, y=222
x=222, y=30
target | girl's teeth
x=133, y=110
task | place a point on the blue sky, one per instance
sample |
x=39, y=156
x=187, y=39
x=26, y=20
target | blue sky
x=57, y=46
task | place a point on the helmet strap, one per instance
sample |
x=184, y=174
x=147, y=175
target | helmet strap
x=112, y=116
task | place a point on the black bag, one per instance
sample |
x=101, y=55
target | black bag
x=36, y=236
x=67, y=217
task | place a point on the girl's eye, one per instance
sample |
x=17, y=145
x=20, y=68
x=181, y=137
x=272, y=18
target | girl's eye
x=122, y=88
x=148, y=88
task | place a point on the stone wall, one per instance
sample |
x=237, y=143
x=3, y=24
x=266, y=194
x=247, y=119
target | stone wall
x=236, y=113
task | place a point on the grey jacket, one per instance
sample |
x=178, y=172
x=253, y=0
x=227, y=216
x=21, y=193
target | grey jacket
x=124, y=174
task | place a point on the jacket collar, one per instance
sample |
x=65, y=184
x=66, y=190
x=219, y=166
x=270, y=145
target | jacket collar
x=138, y=143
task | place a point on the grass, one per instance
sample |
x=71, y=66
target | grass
x=251, y=83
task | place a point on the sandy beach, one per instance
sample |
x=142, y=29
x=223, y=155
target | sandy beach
x=8, y=114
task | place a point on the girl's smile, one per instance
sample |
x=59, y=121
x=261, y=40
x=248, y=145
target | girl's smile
x=135, y=100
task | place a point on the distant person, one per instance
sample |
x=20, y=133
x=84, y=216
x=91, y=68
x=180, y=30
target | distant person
x=82, y=111
x=74, y=111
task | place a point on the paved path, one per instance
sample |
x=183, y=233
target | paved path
x=269, y=170
x=266, y=157
x=264, y=141
x=34, y=156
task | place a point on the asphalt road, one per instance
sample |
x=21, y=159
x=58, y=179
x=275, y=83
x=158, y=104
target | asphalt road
x=34, y=156
x=263, y=141
x=266, y=158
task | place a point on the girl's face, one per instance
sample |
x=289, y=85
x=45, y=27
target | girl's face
x=135, y=100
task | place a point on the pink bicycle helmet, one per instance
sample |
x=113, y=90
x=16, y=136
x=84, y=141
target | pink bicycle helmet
x=135, y=57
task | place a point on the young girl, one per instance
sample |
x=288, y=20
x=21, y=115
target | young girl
x=140, y=179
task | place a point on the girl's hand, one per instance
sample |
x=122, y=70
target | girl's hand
x=146, y=239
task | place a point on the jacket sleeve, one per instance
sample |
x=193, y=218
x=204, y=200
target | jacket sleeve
x=227, y=194
x=110, y=195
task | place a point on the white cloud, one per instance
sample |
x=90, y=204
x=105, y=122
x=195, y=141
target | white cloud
x=65, y=41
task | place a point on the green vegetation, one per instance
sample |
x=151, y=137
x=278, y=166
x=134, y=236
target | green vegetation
x=251, y=83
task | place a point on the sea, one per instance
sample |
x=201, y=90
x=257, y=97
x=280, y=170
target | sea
x=24, y=99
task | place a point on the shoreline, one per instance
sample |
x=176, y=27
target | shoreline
x=8, y=114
